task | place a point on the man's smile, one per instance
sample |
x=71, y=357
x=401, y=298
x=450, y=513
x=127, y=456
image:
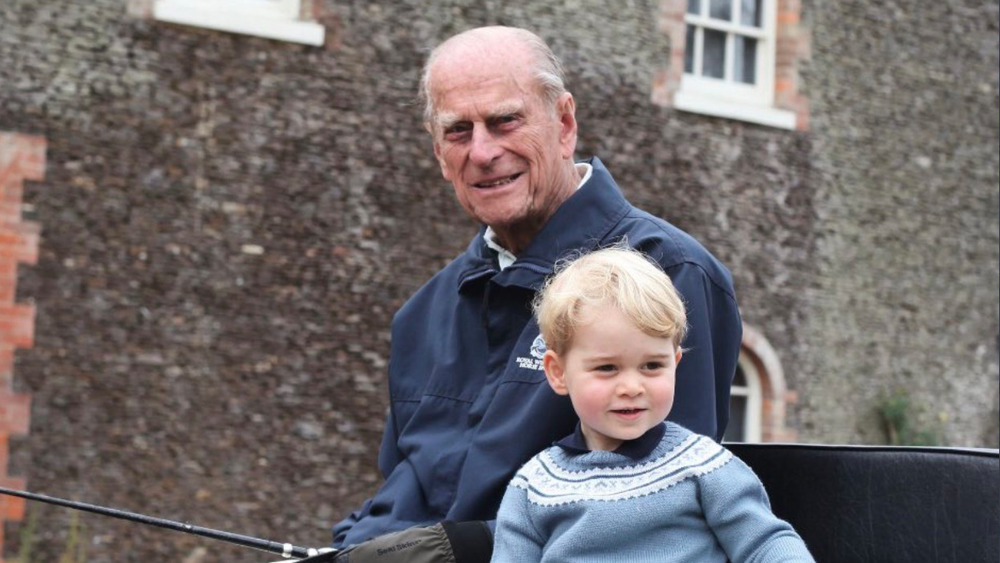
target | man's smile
x=498, y=181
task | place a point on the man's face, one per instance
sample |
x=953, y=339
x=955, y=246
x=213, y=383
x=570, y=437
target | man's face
x=502, y=146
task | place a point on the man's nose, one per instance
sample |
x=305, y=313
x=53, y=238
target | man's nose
x=484, y=149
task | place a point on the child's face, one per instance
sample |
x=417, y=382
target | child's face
x=620, y=379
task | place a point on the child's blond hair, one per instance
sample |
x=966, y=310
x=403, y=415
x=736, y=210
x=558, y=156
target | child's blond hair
x=618, y=276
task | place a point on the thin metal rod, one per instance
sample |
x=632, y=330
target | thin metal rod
x=325, y=557
x=284, y=549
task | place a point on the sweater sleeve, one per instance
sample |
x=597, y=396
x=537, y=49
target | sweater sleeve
x=739, y=513
x=516, y=539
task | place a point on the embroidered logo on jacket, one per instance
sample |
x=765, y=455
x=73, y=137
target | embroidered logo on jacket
x=549, y=484
x=537, y=353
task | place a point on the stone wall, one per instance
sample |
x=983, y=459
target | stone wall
x=904, y=294
x=228, y=224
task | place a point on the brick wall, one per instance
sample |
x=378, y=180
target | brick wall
x=22, y=157
x=791, y=49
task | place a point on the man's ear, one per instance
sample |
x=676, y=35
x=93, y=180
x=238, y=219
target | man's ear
x=555, y=372
x=437, y=155
x=566, y=110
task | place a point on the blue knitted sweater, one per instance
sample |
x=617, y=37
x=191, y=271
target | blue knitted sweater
x=688, y=500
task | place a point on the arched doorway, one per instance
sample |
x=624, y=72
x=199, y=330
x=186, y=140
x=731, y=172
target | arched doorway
x=758, y=394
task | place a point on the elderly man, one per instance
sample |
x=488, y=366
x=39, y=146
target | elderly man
x=469, y=400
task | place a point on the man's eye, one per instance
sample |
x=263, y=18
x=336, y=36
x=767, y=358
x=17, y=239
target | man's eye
x=456, y=131
x=505, y=120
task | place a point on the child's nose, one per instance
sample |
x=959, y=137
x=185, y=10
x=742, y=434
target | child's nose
x=629, y=386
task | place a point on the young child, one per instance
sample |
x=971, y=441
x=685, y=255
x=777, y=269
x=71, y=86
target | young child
x=627, y=486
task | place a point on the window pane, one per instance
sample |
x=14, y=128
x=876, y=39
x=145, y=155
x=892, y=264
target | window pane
x=736, y=431
x=720, y=9
x=750, y=14
x=739, y=379
x=694, y=7
x=714, y=54
x=689, y=50
x=745, y=67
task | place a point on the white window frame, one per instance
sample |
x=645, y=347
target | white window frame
x=753, y=391
x=272, y=19
x=725, y=97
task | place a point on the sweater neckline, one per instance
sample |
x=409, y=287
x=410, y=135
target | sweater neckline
x=638, y=448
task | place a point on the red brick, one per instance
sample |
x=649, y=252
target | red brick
x=19, y=242
x=790, y=6
x=11, y=508
x=8, y=280
x=17, y=325
x=15, y=412
x=9, y=170
x=788, y=18
x=12, y=188
x=6, y=365
x=21, y=157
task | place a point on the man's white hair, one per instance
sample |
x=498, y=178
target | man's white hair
x=548, y=69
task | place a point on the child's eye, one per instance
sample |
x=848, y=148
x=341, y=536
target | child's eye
x=605, y=368
x=653, y=366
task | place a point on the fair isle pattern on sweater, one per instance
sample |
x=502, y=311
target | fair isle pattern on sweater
x=547, y=483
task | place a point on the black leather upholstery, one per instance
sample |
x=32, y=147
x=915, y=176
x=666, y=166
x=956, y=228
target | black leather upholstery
x=874, y=504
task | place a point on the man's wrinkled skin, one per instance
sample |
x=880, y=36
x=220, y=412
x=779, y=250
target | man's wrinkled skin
x=506, y=149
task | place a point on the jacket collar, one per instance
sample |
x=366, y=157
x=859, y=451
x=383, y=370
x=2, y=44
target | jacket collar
x=581, y=223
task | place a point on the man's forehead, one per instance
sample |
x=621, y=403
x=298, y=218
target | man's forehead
x=479, y=71
x=498, y=44
x=471, y=65
x=463, y=93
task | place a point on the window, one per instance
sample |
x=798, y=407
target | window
x=726, y=63
x=273, y=19
x=744, y=404
x=758, y=395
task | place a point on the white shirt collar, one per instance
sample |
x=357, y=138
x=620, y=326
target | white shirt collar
x=505, y=257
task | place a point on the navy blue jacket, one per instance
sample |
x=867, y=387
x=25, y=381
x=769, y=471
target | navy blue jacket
x=469, y=399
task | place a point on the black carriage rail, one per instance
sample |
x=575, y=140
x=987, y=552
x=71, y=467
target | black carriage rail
x=284, y=549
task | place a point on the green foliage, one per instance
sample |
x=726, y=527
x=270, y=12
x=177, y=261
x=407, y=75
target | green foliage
x=27, y=536
x=76, y=547
x=897, y=414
